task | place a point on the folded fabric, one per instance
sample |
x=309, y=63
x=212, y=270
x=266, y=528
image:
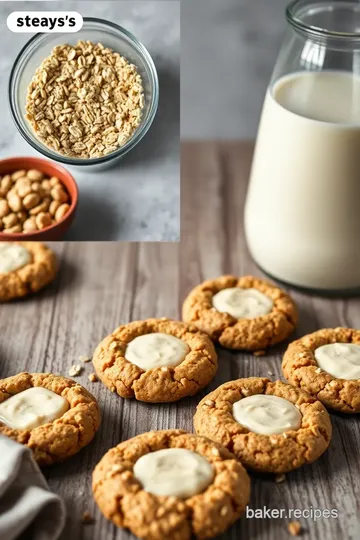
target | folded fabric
x=26, y=503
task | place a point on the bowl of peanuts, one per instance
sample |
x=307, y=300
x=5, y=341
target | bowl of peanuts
x=38, y=199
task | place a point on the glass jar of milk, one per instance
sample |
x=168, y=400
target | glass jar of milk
x=302, y=213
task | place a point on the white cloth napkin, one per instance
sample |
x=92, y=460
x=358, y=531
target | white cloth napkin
x=26, y=503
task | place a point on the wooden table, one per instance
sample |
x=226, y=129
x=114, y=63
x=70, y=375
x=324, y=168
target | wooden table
x=102, y=285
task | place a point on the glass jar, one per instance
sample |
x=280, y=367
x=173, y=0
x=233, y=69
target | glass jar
x=302, y=212
x=96, y=30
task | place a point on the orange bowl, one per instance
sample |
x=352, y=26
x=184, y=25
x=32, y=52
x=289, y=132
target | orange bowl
x=57, y=230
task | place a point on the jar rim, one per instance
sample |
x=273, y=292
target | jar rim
x=293, y=11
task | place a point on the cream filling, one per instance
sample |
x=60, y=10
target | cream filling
x=13, y=257
x=341, y=360
x=242, y=303
x=174, y=472
x=32, y=408
x=156, y=350
x=265, y=414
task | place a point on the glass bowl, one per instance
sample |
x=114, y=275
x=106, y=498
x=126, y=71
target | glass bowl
x=97, y=30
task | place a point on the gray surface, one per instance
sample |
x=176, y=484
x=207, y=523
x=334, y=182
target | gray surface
x=139, y=199
x=228, y=51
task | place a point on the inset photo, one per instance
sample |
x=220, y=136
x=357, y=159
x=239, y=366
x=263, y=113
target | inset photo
x=90, y=138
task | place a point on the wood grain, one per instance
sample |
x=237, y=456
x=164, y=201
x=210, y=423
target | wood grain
x=103, y=285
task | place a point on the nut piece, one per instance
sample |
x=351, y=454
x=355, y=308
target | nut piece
x=29, y=225
x=4, y=208
x=58, y=194
x=280, y=478
x=54, y=205
x=75, y=370
x=10, y=221
x=84, y=359
x=6, y=182
x=33, y=174
x=294, y=528
x=15, y=229
x=61, y=211
x=18, y=174
x=31, y=200
x=14, y=202
x=43, y=220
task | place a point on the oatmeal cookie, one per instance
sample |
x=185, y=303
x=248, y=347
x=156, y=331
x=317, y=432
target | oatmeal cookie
x=241, y=312
x=163, y=372
x=40, y=397
x=277, y=441
x=209, y=511
x=25, y=268
x=326, y=364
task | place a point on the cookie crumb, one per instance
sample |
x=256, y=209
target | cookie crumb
x=271, y=373
x=215, y=452
x=87, y=518
x=92, y=377
x=294, y=528
x=84, y=359
x=224, y=511
x=259, y=353
x=280, y=478
x=75, y=370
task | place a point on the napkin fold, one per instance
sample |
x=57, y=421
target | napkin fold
x=26, y=503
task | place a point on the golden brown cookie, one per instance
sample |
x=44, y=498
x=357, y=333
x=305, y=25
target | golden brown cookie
x=65, y=436
x=39, y=269
x=160, y=384
x=301, y=368
x=275, y=453
x=241, y=333
x=123, y=500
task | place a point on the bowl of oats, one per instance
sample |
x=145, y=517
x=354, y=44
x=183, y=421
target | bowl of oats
x=84, y=99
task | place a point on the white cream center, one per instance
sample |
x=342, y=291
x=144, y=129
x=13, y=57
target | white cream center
x=341, y=360
x=13, y=257
x=174, y=472
x=32, y=408
x=266, y=414
x=156, y=350
x=242, y=303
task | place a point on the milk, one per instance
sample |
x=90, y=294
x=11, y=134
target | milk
x=302, y=215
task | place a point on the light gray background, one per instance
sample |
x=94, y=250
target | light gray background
x=228, y=49
x=140, y=198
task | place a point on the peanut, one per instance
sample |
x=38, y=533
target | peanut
x=58, y=194
x=45, y=184
x=18, y=174
x=33, y=174
x=61, y=211
x=21, y=216
x=43, y=220
x=42, y=207
x=29, y=225
x=23, y=190
x=54, y=205
x=6, y=182
x=31, y=200
x=54, y=181
x=14, y=202
x=14, y=229
x=4, y=208
x=10, y=220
